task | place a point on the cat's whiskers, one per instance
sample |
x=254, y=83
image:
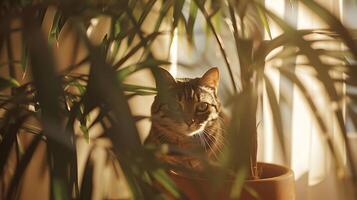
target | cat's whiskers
x=218, y=138
x=209, y=145
x=215, y=140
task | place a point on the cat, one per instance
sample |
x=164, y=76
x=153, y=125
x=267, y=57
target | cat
x=188, y=115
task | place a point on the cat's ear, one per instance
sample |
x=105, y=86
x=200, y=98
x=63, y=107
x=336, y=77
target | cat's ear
x=210, y=78
x=164, y=77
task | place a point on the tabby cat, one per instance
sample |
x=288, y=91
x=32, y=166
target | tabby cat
x=189, y=116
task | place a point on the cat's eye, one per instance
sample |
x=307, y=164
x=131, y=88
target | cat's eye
x=202, y=107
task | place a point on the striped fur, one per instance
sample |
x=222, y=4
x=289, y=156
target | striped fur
x=189, y=116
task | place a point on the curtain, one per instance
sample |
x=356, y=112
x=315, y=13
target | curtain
x=308, y=154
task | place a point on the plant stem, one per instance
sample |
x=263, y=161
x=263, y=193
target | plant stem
x=245, y=81
x=10, y=57
x=220, y=43
x=243, y=70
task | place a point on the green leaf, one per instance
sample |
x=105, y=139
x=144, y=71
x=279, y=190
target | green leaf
x=285, y=53
x=191, y=21
x=163, y=13
x=104, y=45
x=59, y=189
x=131, y=179
x=54, y=28
x=138, y=90
x=335, y=24
x=337, y=54
x=126, y=71
x=238, y=183
x=143, y=43
x=87, y=181
x=8, y=131
x=275, y=110
x=24, y=58
x=130, y=87
x=242, y=7
x=117, y=28
x=133, y=88
x=177, y=14
x=81, y=88
x=146, y=11
x=58, y=22
x=264, y=20
x=114, y=52
x=178, y=5
x=85, y=132
x=22, y=165
x=40, y=15
x=252, y=192
x=141, y=93
x=161, y=176
x=131, y=15
x=353, y=116
x=10, y=82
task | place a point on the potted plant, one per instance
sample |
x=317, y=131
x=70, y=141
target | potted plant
x=50, y=107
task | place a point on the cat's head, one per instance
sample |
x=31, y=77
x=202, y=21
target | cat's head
x=186, y=106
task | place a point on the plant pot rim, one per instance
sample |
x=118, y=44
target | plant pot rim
x=285, y=174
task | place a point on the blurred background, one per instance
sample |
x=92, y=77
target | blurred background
x=307, y=153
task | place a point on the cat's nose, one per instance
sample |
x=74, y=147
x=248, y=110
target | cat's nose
x=189, y=122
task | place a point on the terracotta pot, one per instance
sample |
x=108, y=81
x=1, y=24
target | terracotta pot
x=276, y=183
